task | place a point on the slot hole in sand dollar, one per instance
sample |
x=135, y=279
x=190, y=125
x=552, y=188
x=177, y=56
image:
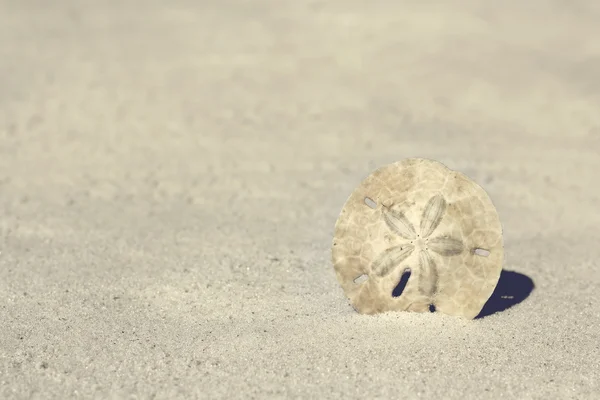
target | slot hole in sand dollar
x=481, y=252
x=361, y=279
x=370, y=202
x=397, y=292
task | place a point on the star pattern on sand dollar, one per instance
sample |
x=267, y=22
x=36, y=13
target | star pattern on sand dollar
x=421, y=239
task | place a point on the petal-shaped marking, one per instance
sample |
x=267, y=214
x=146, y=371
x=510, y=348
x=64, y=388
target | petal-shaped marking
x=387, y=261
x=445, y=245
x=432, y=215
x=428, y=275
x=398, y=223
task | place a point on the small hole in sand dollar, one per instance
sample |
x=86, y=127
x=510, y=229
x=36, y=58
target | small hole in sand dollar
x=397, y=292
x=370, y=202
x=481, y=252
x=361, y=279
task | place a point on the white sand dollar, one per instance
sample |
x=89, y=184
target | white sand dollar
x=420, y=218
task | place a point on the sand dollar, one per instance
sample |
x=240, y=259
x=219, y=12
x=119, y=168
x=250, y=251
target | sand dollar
x=415, y=236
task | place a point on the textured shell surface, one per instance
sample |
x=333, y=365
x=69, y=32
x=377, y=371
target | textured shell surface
x=420, y=217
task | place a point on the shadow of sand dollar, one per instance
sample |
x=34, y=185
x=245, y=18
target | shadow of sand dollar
x=512, y=289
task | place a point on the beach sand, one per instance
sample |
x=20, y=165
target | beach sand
x=171, y=173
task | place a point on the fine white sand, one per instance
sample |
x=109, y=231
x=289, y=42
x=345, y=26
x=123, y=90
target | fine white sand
x=171, y=172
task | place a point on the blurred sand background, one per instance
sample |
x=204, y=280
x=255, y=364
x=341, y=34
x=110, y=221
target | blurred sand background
x=171, y=173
